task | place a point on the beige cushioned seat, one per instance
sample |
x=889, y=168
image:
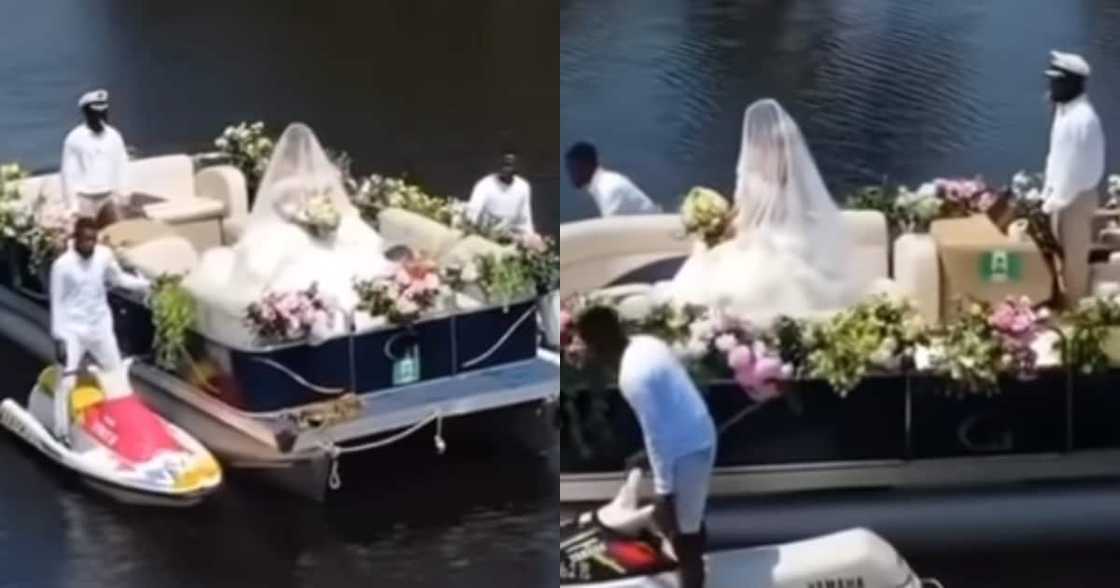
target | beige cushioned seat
x=421, y=234
x=170, y=254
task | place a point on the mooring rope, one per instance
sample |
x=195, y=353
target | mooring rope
x=327, y=391
x=335, y=479
x=532, y=311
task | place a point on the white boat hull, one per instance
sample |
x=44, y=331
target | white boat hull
x=848, y=559
x=90, y=470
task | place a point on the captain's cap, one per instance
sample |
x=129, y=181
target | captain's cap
x=1064, y=64
x=97, y=100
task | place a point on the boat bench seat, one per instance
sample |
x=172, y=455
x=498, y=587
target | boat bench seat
x=166, y=255
x=595, y=253
x=199, y=204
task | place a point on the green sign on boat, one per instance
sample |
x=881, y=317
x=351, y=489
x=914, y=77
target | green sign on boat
x=1001, y=267
x=406, y=369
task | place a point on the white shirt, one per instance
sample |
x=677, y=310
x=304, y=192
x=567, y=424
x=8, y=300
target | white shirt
x=507, y=205
x=615, y=195
x=92, y=163
x=674, y=418
x=1076, y=159
x=79, y=303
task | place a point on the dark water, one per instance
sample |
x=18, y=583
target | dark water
x=430, y=87
x=434, y=88
x=910, y=89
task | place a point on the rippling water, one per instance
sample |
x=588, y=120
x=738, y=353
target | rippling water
x=906, y=89
x=430, y=87
x=434, y=88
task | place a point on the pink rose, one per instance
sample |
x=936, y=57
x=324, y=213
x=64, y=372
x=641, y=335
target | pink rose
x=740, y=358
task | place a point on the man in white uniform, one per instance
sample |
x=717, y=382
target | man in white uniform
x=503, y=199
x=612, y=192
x=679, y=434
x=1074, y=168
x=94, y=160
x=81, y=321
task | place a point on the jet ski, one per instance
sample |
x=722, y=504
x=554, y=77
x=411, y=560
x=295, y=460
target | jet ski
x=118, y=445
x=617, y=547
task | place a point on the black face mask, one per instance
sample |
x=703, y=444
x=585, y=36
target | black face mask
x=1068, y=88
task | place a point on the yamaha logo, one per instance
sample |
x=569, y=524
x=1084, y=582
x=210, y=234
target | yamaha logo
x=837, y=583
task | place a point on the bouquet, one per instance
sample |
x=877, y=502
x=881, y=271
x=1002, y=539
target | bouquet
x=915, y=210
x=249, y=148
x=404, y=298
x=706, y=215
x=317, y=214
x=541, y=258
x=288, y=316
x=963, y=197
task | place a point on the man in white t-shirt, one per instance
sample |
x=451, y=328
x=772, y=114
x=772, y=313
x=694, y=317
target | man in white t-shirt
x=503, y=199
x=678, y=431
x=612, y=192
x=94, y=161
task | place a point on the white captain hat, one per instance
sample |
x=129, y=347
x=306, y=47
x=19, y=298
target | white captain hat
x=1064, y=64
x=97, y=100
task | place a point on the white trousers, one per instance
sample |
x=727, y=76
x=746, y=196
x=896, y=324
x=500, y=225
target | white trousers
x=692, y=477
x=1073, y=227
x=100, y=342
x=91, y=205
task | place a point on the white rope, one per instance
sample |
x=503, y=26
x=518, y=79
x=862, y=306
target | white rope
x=532, y=311
x=436, y=416
x=934, y=582
x=335, y=479
x=298, y=378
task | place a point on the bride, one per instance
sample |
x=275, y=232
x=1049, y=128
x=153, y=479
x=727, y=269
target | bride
x=790, y=251
x=280, y=250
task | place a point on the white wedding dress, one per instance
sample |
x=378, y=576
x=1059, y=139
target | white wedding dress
x=276, y=254
x=790, y=254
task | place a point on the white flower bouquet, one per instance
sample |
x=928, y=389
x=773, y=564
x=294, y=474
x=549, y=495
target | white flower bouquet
x=916, y=209
x=249, y=148
x=706, y=214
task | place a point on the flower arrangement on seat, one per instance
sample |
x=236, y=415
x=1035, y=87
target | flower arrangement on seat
x=249, y=148
x=376, y=193
x=403, y=299
x=282, y=317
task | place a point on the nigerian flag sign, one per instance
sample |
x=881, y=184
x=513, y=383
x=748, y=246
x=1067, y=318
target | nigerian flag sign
x=1001, y=266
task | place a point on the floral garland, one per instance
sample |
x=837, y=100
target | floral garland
x=173, y=315
x=913, y=210
x=1092, y=327
x=878, y=335
x=376, y=193
x=982, y=343
x=414, y=290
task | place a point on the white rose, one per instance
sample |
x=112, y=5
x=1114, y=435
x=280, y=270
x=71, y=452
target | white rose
x=470, y=273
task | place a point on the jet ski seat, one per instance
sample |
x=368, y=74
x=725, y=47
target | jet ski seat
x=86, y=393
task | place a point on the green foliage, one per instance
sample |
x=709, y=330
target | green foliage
x=173, y=315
